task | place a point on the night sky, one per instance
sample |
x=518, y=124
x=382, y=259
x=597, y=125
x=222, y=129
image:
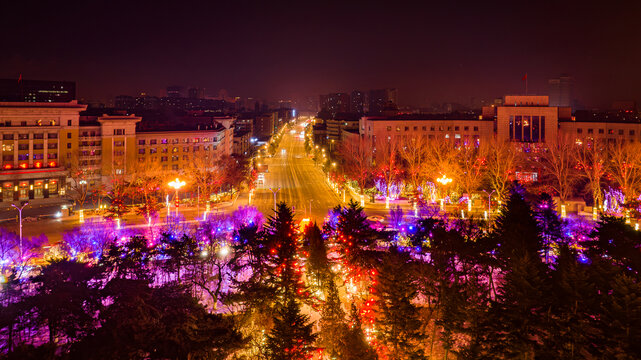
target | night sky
x=273, y=50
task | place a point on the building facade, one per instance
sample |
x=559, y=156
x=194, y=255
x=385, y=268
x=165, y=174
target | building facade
x=44, y=143
x=470, y=130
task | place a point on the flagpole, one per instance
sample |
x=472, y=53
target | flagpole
x=525, y=84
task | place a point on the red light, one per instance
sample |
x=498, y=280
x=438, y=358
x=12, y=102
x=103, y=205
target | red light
x=8, y=166
x=23, y=165
x=37, y=164
x=52, y=164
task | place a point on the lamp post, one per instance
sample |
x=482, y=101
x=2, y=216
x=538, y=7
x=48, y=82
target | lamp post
x=489, y=201
x=274, y=192
x=444, y=180
x=20, y=220
x=176, y=184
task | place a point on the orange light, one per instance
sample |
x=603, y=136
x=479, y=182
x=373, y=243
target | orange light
x=23, y=165
x=8, y=166
x=52, y=164
x=37, y=164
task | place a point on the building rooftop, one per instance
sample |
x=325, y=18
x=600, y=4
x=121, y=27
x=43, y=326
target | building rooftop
x=450, y=116
x=626, y=117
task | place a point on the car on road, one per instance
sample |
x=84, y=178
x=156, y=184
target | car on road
x=376, y=218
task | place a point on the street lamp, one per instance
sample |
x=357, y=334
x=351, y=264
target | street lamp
x=489, y=201
x=274, y=192
x=443, y=180
x=20, y=219
x=176, y=184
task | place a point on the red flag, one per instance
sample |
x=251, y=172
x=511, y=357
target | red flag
x=524, y=77
x=20, y=78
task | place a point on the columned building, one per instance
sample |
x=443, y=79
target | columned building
x=37, y=140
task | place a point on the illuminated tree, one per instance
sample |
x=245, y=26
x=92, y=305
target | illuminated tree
x=414, y=153
x=387, y=162
x=398, y=323
x=442, y=159
x=591, y=161
x=559, y=169
x=625, y=166
x=79, y=187
x=146, y=184
x=332, y=323
x=357, y=161
x=291, y=337
x=501, y=160
x=117, y=195
x=472, y=167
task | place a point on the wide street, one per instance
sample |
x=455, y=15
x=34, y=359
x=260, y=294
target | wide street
x=291, y=174
x=296, y=181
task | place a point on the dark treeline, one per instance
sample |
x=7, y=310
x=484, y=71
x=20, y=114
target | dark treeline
x=526, y=288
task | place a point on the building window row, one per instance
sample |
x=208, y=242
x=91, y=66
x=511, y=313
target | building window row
x=433, y=128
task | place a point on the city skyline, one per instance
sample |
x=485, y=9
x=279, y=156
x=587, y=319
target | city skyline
x=431, y=53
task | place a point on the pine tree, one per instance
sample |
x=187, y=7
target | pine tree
x=516, y=323
x=621, y=319
x=549, y=223
x=398, y=323
x=317, y=262
x=516, y=232
x=332, y=323
x=615, y=239
x=354, y=346
x=291, y=337
x=574, y=299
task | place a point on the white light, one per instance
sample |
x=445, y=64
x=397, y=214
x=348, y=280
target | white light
x=224, y=251
x=59, y=214
x=204, y=253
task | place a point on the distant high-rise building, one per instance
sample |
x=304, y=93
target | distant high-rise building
x=285, y=104
x=357, y=101
x=19, y=90
x=174, y=91
x=147, y=102
x=560, y=91
x=379, y=99
x=125, y=102
x=195, y=93
x=335, y=103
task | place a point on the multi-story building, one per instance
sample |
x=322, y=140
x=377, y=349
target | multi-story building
x=527, y=119
x=380, y=98
x=38, y=142
x=242, y=143
x=264, y=125
x=608, y=127
x=37, y=90
x=357, y=102
x=42, y=142
x=460, y=128
x=560, y=91
x=335, y=103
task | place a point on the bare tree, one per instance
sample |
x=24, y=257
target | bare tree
x=442, y=160
x=79, y=187
x=414, y=153
x=558, y=167
x=501, y=159
x=625, y=166
x=590, y=158
x=147, y=180
x=357, y=161
x=202, y=174
x=387, y=164
x=472, y=168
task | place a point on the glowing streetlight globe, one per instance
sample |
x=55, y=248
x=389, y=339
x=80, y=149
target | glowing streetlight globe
x=444, y=180
x=177, y=184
